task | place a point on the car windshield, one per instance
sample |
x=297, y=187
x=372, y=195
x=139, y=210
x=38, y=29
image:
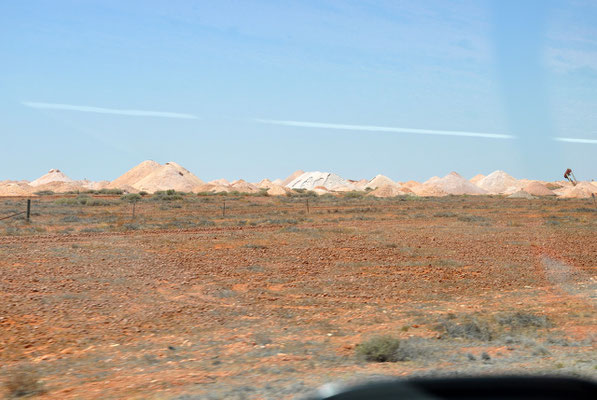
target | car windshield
x=252, y=199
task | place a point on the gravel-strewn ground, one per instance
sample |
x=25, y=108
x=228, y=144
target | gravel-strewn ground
x=270, y=302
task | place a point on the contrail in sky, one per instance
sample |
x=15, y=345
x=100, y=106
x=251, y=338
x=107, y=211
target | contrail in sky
x=373, y=128
x=576, y=140
x=100, y=110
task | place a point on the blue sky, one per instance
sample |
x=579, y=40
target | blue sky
x=254, y=89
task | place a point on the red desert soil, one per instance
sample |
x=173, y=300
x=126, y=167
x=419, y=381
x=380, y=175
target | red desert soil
x=269, y=301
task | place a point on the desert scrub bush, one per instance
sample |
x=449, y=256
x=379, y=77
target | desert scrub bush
x=278, y=221
x=131, y=226
x=521, y=320
x=357, y=210
x=446, y=262
x=167, y=195
x=353, y=195
x=261, y=193
x=445, y=214
x=68, y=201
x=114, y=192
x=44, y=193
x=131, y=197
x=379, y=349
x=301, y=193
x=23, y=382
x=583, y=209
x=110, y=191
x=92, y=230
x=83, y=200
x=473, y=218
x=465, y=327
x=414, y=348
x=254, y=246
x=292, y=229
x=70, y=218
x=362, y=218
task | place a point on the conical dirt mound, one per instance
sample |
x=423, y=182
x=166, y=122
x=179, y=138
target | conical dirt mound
x=54, y=175
x=135, y=174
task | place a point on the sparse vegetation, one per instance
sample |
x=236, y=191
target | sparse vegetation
x=445, y=214
x=473, y=218
x=466, y=327
x=23, y=382
x=255, y=246
x=522, y=320
x=131, y=197
x=44, y=193
x=315, y=284
x=379, y=349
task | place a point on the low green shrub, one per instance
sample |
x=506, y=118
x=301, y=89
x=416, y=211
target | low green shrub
x=379, y=349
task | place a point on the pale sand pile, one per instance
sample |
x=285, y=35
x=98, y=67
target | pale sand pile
x=410, y=184
x=349, y=187
x=265, y=184
x=277, y=190
x=360, y=184
x=244, y=187
x=91, y=185
x=391, y=190
x=15, y=188
x=536, y=188
x=476, y=178
x=453, y=183
x=168, y=176
x=54, y=175
x=521, y=194
x=431, y=180
x=330, y=181
x=427, y=190
x=320, y=190
x=205, y=188
x=221, y=182
x=212, y=188
x=134, y=175
x=379, y=181
x=59, y=187
x=150, y=176
x=498, y=182
x=292, y=177
x=582, y=190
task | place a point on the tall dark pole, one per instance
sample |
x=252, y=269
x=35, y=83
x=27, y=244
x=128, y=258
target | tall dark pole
x=28, y=209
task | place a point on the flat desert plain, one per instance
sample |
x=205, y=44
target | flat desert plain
x=269, y=300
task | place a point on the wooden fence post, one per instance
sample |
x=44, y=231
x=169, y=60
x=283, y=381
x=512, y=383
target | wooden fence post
x=224, y=209
x=28, y=209
x=307, y=205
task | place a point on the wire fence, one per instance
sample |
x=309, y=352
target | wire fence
x=27, y=211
